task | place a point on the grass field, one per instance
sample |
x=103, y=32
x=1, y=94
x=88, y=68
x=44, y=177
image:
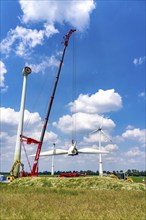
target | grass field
x=138, y=179
x=82, y=198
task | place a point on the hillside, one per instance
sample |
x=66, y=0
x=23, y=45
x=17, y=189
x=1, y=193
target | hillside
x=96, y=182
x=81, y=198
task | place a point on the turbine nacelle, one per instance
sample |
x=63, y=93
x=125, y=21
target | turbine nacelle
x=26, y=71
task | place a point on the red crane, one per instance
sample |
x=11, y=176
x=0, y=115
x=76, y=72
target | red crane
x=34, y=170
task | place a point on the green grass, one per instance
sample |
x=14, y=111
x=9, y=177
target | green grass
x=138, y=179
x=84, y=198
x=88, y=182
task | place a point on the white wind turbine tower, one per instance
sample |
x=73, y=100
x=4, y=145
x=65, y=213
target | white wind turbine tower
x=100, y=131
x=52, y=169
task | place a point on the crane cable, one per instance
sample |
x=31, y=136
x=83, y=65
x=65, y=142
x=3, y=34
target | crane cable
x=73, y=113
x=26, y=156
x=42, y=88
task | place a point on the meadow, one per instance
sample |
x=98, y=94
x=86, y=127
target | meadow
x=82, y=198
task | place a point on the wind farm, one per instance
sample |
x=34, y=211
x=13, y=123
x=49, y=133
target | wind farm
x=72, y=151
x=72, y=79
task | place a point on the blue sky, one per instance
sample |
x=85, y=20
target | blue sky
x=102, y=80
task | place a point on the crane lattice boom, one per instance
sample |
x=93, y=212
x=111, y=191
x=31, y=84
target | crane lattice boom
x=34, y=171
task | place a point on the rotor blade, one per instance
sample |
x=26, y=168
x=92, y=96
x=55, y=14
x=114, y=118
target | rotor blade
x=101, y=123
x=106, y=136
x=52, y=152
x=92, y=151
x=96, y=130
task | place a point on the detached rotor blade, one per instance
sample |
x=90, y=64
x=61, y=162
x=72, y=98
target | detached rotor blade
x=52, y=152
x=92, y=151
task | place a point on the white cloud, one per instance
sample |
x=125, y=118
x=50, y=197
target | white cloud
x=49, y=30
x=134, y=152
x=82, y=122
x=9, y=116
x=86, y=118
x=118, y=139
x=26, y=38
x=32, y=123
x=47, y=62
x=111, y=147
x=100, y=102
x=75, y=13
x=22, y=40
x=32, y=128
x=135, y=134
x=139, y=61
x=105, y=136
x=130, y=127
x=3, y=71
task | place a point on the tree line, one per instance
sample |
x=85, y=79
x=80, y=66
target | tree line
x=129, y=172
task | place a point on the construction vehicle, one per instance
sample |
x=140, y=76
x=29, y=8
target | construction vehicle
x=11, y=177
x=34, y=170
x=121, y=176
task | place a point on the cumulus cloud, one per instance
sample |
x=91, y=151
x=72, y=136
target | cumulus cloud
x=75, y=13
x=139, y=61
x=100, y=102
x=86, y=116
x=111, y=147
x=32, y=124
x=10, y=116
x=105, y=136
x=134, y=152
x=130, y=127
x=83, y=122
x=22, y=40
x=42, y=66
x=135, y=134
x=32, y=128
x=3, y=71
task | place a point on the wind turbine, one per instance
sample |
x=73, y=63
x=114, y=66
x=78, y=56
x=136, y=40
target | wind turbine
x=100, y=131
x=17, y=156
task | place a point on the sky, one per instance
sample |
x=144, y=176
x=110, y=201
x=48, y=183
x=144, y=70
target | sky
x=102, y=81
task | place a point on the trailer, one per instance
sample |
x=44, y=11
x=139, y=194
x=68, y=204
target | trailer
x=71, y=174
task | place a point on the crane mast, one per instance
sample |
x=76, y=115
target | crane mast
x=34, y=171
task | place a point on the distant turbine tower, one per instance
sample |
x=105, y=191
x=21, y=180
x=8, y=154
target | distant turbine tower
x=52, y=170
x=99, y=142
x=100, y=155
x=26, y=71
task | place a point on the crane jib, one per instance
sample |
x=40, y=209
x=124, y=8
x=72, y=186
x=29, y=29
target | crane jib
x=34, y=171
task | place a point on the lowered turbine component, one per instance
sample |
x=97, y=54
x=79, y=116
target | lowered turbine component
x=52, y=152
x=92, y=151
x=72, y=151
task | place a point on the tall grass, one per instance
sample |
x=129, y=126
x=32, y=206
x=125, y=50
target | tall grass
x=99, y=183
x=34, y=199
